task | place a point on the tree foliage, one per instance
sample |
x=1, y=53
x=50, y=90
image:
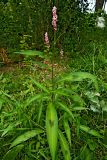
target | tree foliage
x=24, y=23
x=28, y=21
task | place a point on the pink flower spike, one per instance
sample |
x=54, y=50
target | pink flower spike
x=54, y=18
x=47, y=40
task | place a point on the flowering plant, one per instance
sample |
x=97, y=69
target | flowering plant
x=54, y=18
x=47, y=40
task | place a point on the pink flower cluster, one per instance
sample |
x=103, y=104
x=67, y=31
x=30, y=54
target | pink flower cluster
x=47, y=40
x=54, y=19
x=54, y=24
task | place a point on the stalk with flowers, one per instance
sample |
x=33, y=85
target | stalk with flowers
x=51, y=113
x=55, y=102
x=54, y=24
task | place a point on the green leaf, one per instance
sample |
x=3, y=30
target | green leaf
x=92, y=144
x=85, y=154
x=40, y=112
x=6, y=130
x=67, y=129
x=63, y=92
x=32, y=99
x=79, y=108
x=12, y=154
x=31, y=53
x=52, y=129
x=43, y=154
x=64, y=146
x=66, y=109
x=40, y=86
x=79, y=76
x=90, y=131
x=26, y=136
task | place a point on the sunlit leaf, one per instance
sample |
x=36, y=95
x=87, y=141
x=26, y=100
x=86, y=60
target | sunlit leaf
x=64, y=146
x=79, y=76
x=52, y=129
x=31, y=53
x=25, y=136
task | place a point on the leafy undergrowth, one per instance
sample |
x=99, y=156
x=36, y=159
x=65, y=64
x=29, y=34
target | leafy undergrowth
x=79, y=112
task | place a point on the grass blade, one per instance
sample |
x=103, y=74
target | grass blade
x=26, y=136
x=64, y=146
x=67, y=129
x=40, y=112
x=11, y=154
x=52, y=129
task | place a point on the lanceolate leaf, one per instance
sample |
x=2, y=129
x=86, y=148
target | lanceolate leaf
x=79, y=108
x=40, y=112
x=31, y=53
x=67, y=129
x=79, y=76
x=11, y=154
x=6, y=130
x=26, y=136
x=64, y=146
x=90, y=131
x=66, y=109
x=52, y=129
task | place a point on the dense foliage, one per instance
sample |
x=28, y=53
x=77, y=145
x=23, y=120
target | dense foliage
x=25, y=22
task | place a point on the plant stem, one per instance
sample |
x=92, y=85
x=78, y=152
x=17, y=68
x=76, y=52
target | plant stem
x=93, y=60
x=53, y=66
